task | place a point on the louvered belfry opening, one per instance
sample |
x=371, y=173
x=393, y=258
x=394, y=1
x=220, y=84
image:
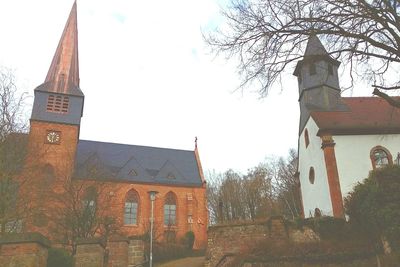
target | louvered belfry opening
x=58, y=103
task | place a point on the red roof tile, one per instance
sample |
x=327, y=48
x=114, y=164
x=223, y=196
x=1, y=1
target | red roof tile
x=366, y=115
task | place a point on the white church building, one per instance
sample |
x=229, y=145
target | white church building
x=341, y=139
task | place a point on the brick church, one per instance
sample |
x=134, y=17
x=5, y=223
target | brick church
x=341, y=139
x=129, y=172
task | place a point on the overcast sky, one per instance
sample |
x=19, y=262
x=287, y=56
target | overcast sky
x=149, y=79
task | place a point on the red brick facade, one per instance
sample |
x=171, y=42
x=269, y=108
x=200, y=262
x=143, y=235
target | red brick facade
x=58, y=156
x=191, y=203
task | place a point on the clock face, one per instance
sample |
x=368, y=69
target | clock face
x=53, y=137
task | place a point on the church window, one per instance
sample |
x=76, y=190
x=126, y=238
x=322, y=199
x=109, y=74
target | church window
x=89, y=204
x=306, y=138
x=313, y=69
x=311, y=175
x=380, y=157
x=170, y=209
x=57, y=103
x=131, y=207
x=330, y=69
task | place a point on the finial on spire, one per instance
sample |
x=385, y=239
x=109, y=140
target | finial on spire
x=195, y=142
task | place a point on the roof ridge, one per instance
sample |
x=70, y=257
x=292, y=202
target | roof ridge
x=123, y=144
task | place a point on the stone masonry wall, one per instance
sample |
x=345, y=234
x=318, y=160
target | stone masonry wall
x=89, y=253
x=235, y=239
x=232, y=245
x=136, y=253
x=118, y=253
x=23, y=250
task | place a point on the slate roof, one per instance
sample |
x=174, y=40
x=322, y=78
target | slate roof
x=365, y=115
x=136, y=164
x=314, y=51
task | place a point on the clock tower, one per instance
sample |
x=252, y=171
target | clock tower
x=58, y=106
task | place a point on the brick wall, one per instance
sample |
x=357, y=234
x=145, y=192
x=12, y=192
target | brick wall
x=89, y=253
x=118, y=252
x=232, y=245
x=136, y=254
x=23, y=250
x=190, y=201
x=235, y=239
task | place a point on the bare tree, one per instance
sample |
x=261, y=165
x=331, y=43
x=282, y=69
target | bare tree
x=268, y=36
x=81, y=209
x=257, y=189
x=236, y=197
x=287, y=187
x=270, y=188
x=13, y=209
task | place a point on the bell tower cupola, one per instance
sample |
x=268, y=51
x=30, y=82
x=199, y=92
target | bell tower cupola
x=318, y=81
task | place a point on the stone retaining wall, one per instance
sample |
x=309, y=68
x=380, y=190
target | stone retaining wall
x=235, y=239
x=232, y=245
x=89, y=253
x=118, y=252
x=136, y=253
x=24, y=250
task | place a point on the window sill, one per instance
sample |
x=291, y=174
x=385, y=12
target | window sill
x=130, y=225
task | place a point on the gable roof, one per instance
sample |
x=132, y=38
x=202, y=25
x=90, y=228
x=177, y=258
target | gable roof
x=365, y=115
x=136, y=164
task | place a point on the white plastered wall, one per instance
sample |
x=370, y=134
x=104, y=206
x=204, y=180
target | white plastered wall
x=314, y=195
x=353, y=156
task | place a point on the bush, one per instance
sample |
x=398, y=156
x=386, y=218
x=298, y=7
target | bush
x=59, y=258
x=188, y=240
x=374, y=204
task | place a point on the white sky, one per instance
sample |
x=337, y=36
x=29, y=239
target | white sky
x=149, y=79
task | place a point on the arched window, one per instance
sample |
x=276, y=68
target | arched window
x=311, y=175
x=131, y=207
x=380, y=157
x=89, y=203
x=170, y=209
x=306, y=138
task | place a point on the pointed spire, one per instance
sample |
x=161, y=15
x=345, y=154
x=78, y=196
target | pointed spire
x=315, y=47
x=315, y=50
x=63, y=74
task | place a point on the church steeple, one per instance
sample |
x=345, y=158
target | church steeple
x=59, y=99
x=63, y=74
x=317, y=68
x=318, y=81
